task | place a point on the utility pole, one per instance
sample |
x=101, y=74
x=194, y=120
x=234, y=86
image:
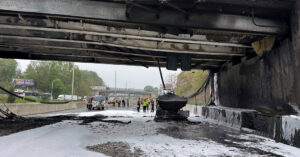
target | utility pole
x=72, y=82
x=126, y=89
x=52, y=91
x=115, y=84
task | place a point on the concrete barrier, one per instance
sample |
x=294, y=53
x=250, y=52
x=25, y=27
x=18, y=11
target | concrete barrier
x=37, y=108
x=231, y=117
x=285, y=129
x=194, y=110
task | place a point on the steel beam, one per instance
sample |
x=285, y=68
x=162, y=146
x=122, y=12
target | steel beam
x=232, y=40
x=92, y=54
x=95, y=52
x=45, y=56
x=125, y=36
x=272, y=4
x=28, y=40
x=112, y=11
x=123, y=41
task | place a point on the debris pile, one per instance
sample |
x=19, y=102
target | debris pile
x=8, y=114
x=116, y=149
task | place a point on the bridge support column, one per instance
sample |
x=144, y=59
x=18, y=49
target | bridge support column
x=269, y=84
x=295, y=33
x=266, y=84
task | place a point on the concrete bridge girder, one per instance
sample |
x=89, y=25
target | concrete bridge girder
x=112, y=11
x=216, y=34
x=128, y=33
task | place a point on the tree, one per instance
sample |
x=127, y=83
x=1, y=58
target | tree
x=8, y=69
x=19, y=74
x=11, y=98
x=58, y=88
x=43, y=73
x=91, y=78
x=148, y=88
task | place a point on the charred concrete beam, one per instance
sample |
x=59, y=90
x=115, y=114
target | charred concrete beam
x=141, y=42
x=86, y=56
x=56, y=41
x=95, y=52
x=272, y=4
x=84, y=26
x=29, y=30
x=49, y=57
x=168, y=17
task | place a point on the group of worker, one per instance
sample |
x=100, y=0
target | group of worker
x=119, y=102
x=146, y=103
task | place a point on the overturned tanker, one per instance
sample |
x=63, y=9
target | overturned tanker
x=169, y=106
x=171, y=102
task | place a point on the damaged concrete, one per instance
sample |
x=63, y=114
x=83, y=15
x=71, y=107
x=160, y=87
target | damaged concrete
x=288, y=130
x=285, y=129
x=265, y=84
x=268, y=84
x=141, y=137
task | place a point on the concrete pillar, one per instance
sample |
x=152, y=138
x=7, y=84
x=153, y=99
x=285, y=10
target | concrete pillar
x=295, y=34
x=212, y=89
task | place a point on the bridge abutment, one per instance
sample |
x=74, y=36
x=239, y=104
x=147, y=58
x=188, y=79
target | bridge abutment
x=295, y=36
x=269, y=84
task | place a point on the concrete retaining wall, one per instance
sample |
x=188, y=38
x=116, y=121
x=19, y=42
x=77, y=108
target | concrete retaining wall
x=232, y=117
x=265, y=84
x=288, y=130
x=284, y=129
x=37, y=108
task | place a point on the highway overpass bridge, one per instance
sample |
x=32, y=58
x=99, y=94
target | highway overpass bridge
x=120, y=91
x=199, y=34
x=252, y=47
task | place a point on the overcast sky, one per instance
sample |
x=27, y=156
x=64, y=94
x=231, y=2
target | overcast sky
x=135, y=76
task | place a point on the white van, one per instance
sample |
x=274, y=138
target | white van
x=67, y=97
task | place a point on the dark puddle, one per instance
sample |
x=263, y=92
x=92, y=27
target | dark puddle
x=202, y=132
x=9, y=126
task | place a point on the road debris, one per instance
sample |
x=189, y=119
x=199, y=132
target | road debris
x=116, y=149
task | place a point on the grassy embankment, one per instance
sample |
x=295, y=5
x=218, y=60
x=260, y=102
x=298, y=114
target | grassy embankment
x=189, y=82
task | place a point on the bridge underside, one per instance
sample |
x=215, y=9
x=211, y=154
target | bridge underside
x=252, y=46
x=188, y=35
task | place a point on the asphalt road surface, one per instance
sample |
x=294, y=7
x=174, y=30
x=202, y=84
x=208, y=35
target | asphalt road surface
x=125, y=132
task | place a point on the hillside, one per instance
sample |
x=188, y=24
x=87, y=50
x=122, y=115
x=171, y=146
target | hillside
x=189, y=82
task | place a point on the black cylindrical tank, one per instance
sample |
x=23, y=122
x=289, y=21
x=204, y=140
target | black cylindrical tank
x=171, y=102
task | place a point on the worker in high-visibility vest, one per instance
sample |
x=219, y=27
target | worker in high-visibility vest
x=145, y=104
